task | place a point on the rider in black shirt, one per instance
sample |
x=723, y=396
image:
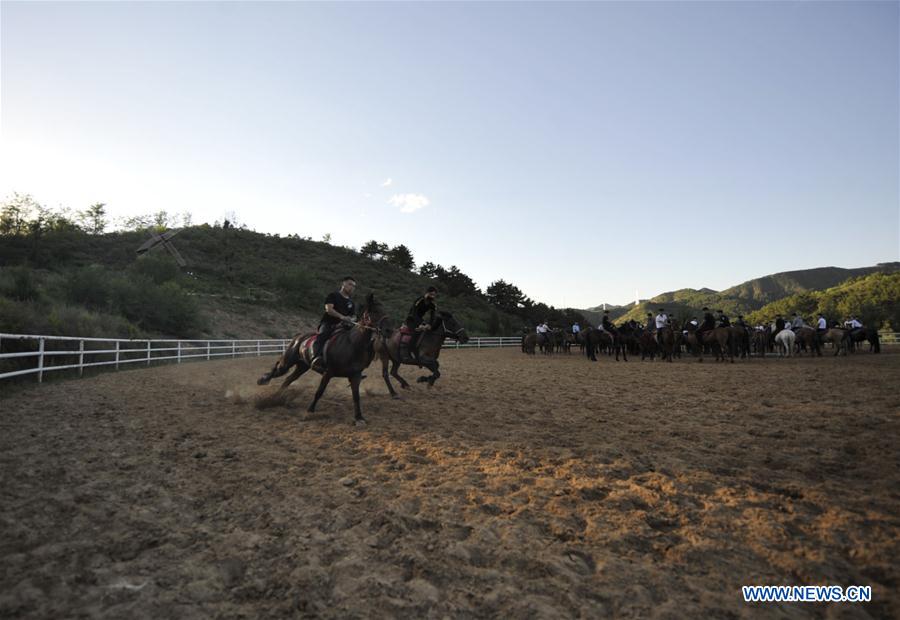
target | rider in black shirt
x=607, y=324
x=723, y=321
x=338, y=308
x=424, y=305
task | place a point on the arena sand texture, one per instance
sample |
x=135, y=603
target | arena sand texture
x=517, y=487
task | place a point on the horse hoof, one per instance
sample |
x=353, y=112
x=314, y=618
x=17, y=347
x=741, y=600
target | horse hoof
x=310, y=410
x=262, y=381
x=421, y=379
x=395, y=396
x=360, y=422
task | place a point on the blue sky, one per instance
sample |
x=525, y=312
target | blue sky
x=581, y=151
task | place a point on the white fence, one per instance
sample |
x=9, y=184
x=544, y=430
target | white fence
x=79, y=353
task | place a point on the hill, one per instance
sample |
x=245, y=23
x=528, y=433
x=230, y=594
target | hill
x=238, y=283
x=874, y=299
x=751, y=295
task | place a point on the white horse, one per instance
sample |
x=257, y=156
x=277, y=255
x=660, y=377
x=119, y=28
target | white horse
x=786, y=339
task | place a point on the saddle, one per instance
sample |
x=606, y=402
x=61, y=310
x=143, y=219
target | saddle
x=307, y=345
x=406, y=337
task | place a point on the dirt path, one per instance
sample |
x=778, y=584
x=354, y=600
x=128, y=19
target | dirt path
x=517, y=487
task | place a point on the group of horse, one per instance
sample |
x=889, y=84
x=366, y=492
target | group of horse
x=724, y=342
x=353, y=347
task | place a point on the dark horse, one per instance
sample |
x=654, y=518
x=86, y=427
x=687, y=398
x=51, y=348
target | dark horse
x=597, y=339
x=347, y=354
x=862, y=334
x=428, y=349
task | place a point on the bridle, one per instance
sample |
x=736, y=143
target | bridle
x=451, y=334
x=365, y=322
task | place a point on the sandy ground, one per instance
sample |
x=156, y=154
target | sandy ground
x=517, y=487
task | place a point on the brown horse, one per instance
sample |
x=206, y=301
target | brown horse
x=529, y=342
x=719, y=339
x=807, y=338
x=599, y=339
x=346, y=354
x=839, y=338
x=428, y=348
x=667, y=343
x=648, y=344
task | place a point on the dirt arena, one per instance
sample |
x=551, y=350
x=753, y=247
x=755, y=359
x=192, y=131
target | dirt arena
x=517, y=487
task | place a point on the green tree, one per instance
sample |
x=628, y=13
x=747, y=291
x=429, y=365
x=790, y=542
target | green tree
x=505, y=296
x=429, y=270
x=17, y=213
x=374, y=250
x=93, y=219
x=401, y=256
x=493, y=323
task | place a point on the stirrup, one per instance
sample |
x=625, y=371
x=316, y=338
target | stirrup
x=317, y=364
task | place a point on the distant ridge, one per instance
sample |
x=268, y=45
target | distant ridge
x=747, y=296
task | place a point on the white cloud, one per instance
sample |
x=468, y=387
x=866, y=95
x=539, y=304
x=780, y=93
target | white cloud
x=367, y=195
x=409, y=203
x=387, y=182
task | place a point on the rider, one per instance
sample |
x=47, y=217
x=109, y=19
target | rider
x=854, y=323
x=740, y=321
x=338, y=309
x=708, y=324
x=796, y=322
x=779, y=324
x=606, y=324
x=576, y=329
x=722, y=320
x=416, y=319
x=662, y=320
x=821, y=324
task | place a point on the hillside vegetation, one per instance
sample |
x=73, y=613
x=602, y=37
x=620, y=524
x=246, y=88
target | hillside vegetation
x=873, y=299
x=754, y=294
x=60, y=273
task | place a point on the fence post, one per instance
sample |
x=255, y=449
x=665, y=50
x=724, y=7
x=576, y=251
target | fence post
x=41, y=362
x=232, y=350
x=258, y=349
x=148, y=353
x=117, y=354
x=479, y=342
x=179, y=351
x=81, y=358
x=207, y=350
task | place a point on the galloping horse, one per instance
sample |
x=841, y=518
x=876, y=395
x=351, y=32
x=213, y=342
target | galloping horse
x=428, y=349
x=347, y=354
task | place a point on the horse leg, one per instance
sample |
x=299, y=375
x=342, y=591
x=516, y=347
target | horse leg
x=354, y=387
x=299, y=370
x=264, y=380
x=326, y=377
x=431, y=365
x=395, y=366
x=387, y=380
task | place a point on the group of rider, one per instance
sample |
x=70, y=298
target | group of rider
x=655, y=324
x=340, y=311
